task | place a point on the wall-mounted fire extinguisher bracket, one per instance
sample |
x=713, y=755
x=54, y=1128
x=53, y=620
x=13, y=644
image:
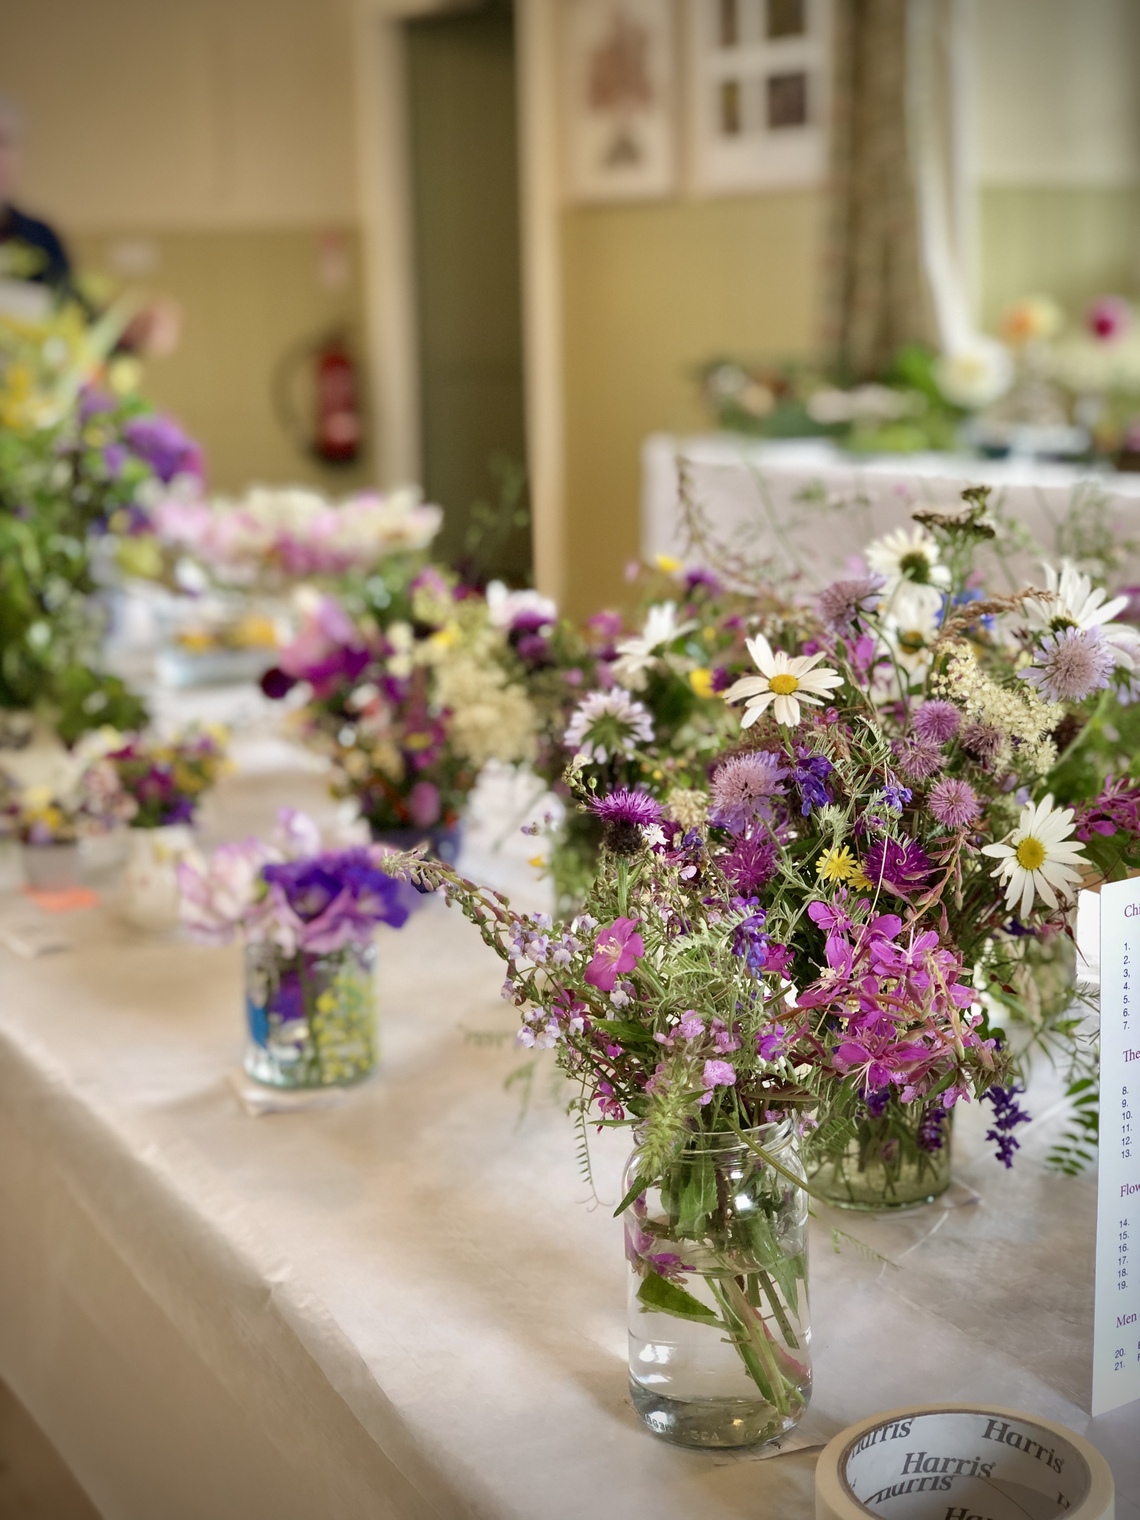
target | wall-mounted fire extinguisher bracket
x=331, y=432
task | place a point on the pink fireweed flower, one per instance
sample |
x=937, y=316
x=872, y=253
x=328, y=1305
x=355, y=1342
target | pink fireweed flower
x=617, y=949
x=716, y=1074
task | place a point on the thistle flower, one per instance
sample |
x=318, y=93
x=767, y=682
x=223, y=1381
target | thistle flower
x=742, y=789
x=918, y=758
x=606, y=724
x=844, y=603
x=937, y=721
x=783, y=683
x=624, y=815
x=1071, y=664
x=953, y=803
x=1038, y=858
x=750, y=864
x=982, y=742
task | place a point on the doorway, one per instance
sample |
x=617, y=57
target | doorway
x=465, y=209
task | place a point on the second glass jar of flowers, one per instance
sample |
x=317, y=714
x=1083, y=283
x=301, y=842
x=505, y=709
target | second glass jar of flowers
x=307, y=917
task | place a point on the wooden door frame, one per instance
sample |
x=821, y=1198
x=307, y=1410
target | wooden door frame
x=387, y=224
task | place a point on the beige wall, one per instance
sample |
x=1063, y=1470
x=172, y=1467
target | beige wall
x=651, y=293
x=215, y=139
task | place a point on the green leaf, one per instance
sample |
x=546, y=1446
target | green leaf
x=698, y=1195
x=639, y=1186
x=659, y=1296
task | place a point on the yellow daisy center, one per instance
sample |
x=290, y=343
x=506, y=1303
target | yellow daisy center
x=1031, y=854
x=784, y=685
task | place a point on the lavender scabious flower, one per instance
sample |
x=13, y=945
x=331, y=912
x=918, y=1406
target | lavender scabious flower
x=624, y=815
x=1071, y=664
x=1008, y=1114
x=953, y=803
x=742, y=788
x=918, y=758
x=843, y=602
x=929, y=1135
x=750, y=864
x=937, y=722
x=902, y=866
x=810, y=775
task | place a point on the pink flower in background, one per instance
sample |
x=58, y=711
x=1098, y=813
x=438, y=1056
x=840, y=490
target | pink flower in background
x=218, y=894
x=1108, y=318
x=617, y=949
x=424, y=804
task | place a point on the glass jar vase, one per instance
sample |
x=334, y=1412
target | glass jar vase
x=312, y=1016
x=719, y=1333
x=897, y=1159
x=149, y=898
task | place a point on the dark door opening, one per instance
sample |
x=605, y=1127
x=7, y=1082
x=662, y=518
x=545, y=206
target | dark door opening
x=461, y=80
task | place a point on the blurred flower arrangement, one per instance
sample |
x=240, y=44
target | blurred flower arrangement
x=409, y=701
x=307, y=917
x=161, y=782
x=77, y=467
x=273, y=538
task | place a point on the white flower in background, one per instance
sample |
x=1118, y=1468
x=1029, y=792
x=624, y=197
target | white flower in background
x=1039, y=858
x=1074, y=602
x=910, y=562
x=638, y=654
x=912, y=627
x=402, y=640
x=783, y=683
x=608, y=723
x=863, y=403
x=975, y=375
x=506, y=607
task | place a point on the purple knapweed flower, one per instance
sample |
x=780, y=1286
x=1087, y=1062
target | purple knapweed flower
x=953, y=803
x=1071, y=664
x=901, y=866
x=937, y=722
x=617, y=949
x=742, y=789
x=750, y=864
x=625, y=813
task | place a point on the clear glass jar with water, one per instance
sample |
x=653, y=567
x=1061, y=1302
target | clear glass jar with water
x=719, y=1332
x=311, y=1016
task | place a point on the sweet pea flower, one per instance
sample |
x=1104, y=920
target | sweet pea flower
x=617, y=950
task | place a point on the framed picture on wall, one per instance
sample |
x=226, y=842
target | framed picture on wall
x=619, y=99
x=759, y=89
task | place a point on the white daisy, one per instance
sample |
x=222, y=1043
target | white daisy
x=1038, y=857
x=911, y=628
x=783, y=683
x=637, y=654
x=1074, y=602
x=910, y=560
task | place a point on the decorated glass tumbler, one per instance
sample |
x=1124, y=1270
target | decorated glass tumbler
x=719, y=1334
x=312, y=1016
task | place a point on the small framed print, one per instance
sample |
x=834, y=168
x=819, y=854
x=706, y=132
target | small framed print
x=759, y=93
x=619, y=99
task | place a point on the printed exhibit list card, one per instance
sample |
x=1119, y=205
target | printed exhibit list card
x=1116, y=1350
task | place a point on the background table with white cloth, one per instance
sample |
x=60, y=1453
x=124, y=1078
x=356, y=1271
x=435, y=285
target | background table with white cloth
x=408, y=1304
x=806, y=506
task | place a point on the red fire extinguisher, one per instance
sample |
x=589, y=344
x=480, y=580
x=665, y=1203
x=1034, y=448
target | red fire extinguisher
x=334, y=434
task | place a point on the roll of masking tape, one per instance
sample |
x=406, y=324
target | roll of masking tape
x=961, y=1462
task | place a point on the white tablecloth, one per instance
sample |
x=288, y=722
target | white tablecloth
x=406, y=1305
x=806, y=506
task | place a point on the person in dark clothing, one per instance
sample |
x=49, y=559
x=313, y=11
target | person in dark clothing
x=29, y=249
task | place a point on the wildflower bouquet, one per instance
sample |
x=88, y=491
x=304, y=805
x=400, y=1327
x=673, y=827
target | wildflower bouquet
x=307, y=917
x=409, y=710
x=162, y=782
